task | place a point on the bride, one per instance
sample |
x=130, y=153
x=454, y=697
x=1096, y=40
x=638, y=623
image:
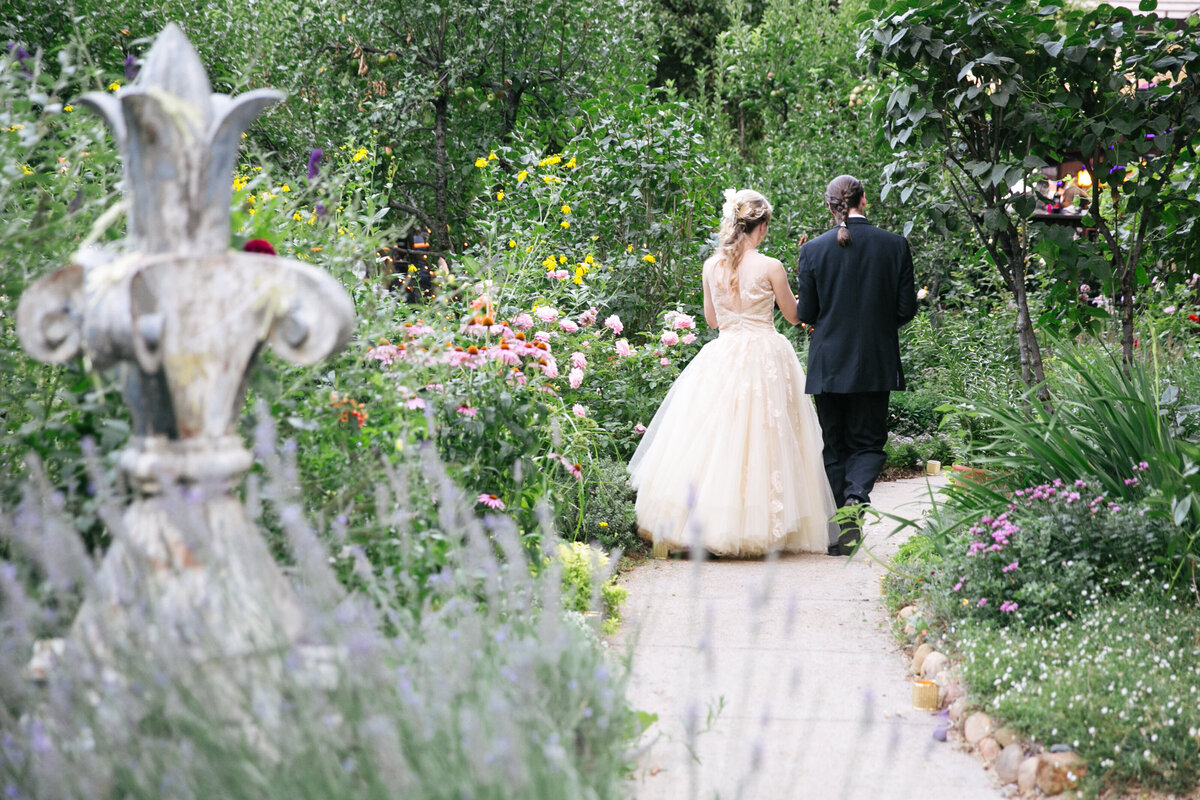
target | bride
x=732, y=460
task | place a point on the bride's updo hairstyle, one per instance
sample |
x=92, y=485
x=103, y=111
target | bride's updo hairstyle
x=843, y=193
x=741, y=215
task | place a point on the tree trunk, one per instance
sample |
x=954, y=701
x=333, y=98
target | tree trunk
x=1032, y=372
x=1126, y=304
x=441, y=231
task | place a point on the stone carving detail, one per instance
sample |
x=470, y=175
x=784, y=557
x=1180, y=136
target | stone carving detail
x=182, y=318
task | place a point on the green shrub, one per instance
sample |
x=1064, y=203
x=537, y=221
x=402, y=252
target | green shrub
x=1116, y=680
x=588, y=582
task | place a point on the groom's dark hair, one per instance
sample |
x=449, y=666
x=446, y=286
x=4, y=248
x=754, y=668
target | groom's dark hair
x=843, y=193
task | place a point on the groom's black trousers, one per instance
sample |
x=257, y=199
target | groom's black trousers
x=854, y=427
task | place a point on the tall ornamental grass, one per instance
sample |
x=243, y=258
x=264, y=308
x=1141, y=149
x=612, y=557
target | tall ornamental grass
x=486, y=689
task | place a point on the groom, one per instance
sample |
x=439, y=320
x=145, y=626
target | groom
x=856, y=290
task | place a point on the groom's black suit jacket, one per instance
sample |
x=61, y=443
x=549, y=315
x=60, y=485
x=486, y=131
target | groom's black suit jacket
x=856, y=298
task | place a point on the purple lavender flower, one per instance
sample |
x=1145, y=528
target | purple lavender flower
x=131, y=67
x=320, y=209
x=314, y=163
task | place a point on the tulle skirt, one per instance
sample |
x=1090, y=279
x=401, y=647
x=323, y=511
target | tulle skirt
x=732, y=459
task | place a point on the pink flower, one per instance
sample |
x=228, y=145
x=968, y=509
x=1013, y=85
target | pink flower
x=982, y=602
x=550, y=370
x=1008, y=606
x=415, y=403
x=1010, y=567
x=568, y=325
x=491, y=501
x=385, y=354
x=1169, y=310
x=575, y=376
x=613, y=323
x=666, y=362
x=669, y=338
x=504, y=355
x=639, y=429
x=683, y=322
x=957, y=586
x=467, y=411
x=556, y=275
x=541, y=336
x=523, y=322
x=688, y=338
x=579, y=410
x=588, y=317
x=579, y=360
x=623, y=348
x=546, y=314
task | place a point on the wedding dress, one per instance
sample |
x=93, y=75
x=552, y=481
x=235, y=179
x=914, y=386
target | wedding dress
x=732, y=459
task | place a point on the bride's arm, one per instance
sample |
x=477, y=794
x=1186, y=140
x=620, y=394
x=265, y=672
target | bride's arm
x=783, y=292
x=710, y=311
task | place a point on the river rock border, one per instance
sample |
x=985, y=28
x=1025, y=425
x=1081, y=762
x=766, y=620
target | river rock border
x=1034, y=770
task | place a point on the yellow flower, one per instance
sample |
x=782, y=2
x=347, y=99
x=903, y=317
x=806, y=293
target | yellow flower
x=571, y=165
x=601, y=524
x=492, y=156
x=588, y=259
x=297, y=216
x=628, y=248
x=580, y=272
x=267, y=196
x=68, y=108
x=312, y=219
x=258, y=169
x=359, y=154
x=529, y=249
x=341, y=231
x=964, y=602
x=565, y=224
x=549, y=179
x=578, y=281
x=254, y=211
x=549, y=263
x=243, y=134
x=499, y=195
x=566, y=209
x=562, y=259
x=16, y=127
x=648, y=258
x=512, y=243
x=26, y=170
x=481, y=162
x=522, y=175
x=285, y=188
x=112, y=87
x=251, y=199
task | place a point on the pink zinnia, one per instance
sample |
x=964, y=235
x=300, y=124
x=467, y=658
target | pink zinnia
x=546, y=314
x=491, y=501
x=541, y=336
x=666, y=362
x=579, y=410
x=550, y=369
x=579, y=360
x=569, y=326
x=415, y=403
x=614, y=324
x=588, y=317
x=639, y=428
x=669, y=338
x=467, y=411
x=623, y=348
x=523, y=321
x=575, y=376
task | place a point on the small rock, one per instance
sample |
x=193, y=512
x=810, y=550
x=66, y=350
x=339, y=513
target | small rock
x=933, y=665
x=1027, y=775
x=919, y=657
x=907, y=612
x=1059, y=771
x=955, y=690
x=1004, y=735
x=988, y=748
x=1008, y=763
x=977, y=726
x=957, y=709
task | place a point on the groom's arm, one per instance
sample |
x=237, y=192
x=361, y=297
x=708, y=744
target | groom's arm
x=906, y=295
x=808, y=308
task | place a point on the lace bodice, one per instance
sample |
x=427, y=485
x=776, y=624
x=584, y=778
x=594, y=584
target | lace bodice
x=753, y=309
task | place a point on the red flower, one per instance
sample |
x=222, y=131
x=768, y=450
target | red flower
x=1193, y=318
x=259, y=246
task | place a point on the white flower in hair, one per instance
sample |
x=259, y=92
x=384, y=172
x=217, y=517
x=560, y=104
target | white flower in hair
x=727, y=209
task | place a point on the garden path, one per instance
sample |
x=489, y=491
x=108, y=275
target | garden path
x=812, y=691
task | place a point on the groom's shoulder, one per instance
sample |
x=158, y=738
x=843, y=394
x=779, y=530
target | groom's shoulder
x=885, y=235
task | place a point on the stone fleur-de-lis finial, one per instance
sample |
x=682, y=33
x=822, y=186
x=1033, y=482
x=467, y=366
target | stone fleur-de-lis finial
x=178, y=312
x=182, y=317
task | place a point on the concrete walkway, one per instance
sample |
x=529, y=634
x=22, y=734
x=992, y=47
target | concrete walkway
x=779, y=679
